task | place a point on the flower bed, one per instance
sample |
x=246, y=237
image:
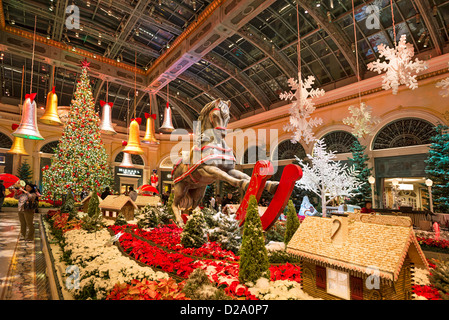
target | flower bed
x=169, y=236
x=434, y=245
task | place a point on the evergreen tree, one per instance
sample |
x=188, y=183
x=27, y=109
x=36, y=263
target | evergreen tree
x=439, y=278
x=226, y=232
x=360, y=162
x=120, y=220
x=80, y=159
x=227, y=188
x=199, y=287
x=24, y=172
x=437, y=168
x=69, y=205
x=253, y=262
x=292, y=222
x=167, y=216
x=194, y=234
x=94, y=202
x=150, y=217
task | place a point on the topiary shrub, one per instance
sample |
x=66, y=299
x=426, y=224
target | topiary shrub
x=194, y=234
x=253, y=262
x=226, y=232
x=199, y=287
x=292, y=222
x=69, y=205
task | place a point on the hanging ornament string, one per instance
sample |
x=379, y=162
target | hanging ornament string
x=135, y=83
x=393, y=24
x=32, y=59
x=299, y=41
x=21, y=89
x=356, y=52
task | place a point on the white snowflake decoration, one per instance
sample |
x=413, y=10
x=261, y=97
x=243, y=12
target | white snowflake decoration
x=444, y=85
x=302, y=107
x=400, y=67
x=362, y=120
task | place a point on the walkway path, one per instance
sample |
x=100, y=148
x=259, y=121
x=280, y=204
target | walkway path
x=22, y=265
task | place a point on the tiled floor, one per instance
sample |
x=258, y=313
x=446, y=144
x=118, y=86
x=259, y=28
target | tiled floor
x=22, y=266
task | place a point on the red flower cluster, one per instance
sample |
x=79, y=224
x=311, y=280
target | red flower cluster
x=169, y=236
x=429, y=292
x=61, y=221
x=163, y=289
x=156, y=257
x=443, y=244
x=286, y=272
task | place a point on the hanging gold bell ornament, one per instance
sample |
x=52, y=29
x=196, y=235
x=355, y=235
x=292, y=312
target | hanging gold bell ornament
x=149, y=133
x=106, y=118
x=28, y=125
x=51, y=116
x=17, y=145
x=127, y=161
x=133, y=145
x=167, y=125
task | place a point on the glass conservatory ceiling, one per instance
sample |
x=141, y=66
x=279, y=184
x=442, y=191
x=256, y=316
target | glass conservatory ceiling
x=138, y=32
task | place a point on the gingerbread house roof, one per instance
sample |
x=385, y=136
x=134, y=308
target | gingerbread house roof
x=116, y=202
x=365, y=243
x=142, y=201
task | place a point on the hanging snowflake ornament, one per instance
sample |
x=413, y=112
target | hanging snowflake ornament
x=444, y=85
x=399, y=67
x=301, y=123
x=362, y=120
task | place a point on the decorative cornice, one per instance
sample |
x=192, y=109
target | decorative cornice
x=72, y=49
x=210, y=9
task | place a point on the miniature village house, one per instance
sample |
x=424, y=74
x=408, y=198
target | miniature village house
x=357, y=257
x=113, y=205
x=85, y=202
x=142, y=201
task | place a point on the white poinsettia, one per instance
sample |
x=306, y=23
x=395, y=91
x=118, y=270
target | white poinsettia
x=104, y=266
x=400, y=68
x=301, y=123
x=362, y=120
x=279, y=290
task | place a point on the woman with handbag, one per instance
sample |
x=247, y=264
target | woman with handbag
x=27, y=205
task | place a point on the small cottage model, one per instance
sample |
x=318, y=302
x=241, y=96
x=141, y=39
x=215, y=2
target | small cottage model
x=114, y=204
x=357, y=257
x=142, y=201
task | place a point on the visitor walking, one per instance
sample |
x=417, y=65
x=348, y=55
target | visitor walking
x=2, y=194
x=27, y=205
x=132, y=194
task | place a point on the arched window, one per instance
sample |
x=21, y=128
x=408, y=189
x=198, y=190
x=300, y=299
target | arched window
x=254, y=153
x=339, y=141
x=5, y=141
x=286, y=150
x=403, y=133
x=50, y=147
x=134, y=157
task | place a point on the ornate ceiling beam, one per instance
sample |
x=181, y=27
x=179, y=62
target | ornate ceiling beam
x=334, y=32
x=431, y=24
x=256, y=38
x=241, y=77
x=215, y=23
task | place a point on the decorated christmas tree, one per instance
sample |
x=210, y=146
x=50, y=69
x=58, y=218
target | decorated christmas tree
x=80, y=159
x=360, y=162
x=437, y=168
x=254, y=262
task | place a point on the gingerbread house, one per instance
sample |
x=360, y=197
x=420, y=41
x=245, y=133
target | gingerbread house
x=85, y=202
x=113, y=205
x=357, y=257
x=142, y=201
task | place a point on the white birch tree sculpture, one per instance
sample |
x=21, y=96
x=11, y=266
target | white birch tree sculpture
x=326, y=177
